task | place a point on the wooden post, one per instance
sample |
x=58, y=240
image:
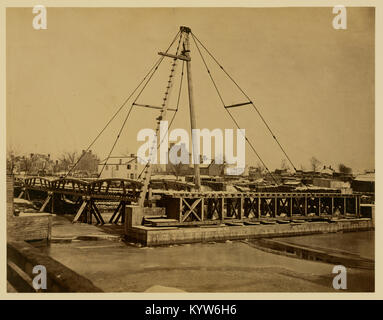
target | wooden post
x=332, y=205
x=45, y=202
x=89, y=212
x=53, y=203
x=80, y=210
x=259, y=207
x=358, y=205
x=275, y=206
x=195, y=143
x=202, y=209
x=240, y=215
x=222, y=205
x=344, y=205
x=180, y=211
x=291, y=206
x=150, y=196
x=319, y=203
x=306, y=209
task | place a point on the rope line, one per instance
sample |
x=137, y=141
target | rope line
x=231, y=116
x=150, y=74
x=119, y=109
x=252, y=103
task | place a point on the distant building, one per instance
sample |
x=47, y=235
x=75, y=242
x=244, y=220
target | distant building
x=37, y=164
x=327, y=171
x=126, y=167
x=331, y=183
x=186, y=169
x=88, y=163
x=364, y=183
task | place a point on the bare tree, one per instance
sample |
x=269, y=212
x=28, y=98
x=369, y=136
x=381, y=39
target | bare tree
x=315, y=164
x=67, y=160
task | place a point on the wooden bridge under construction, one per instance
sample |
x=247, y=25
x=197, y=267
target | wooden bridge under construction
x=188, y=206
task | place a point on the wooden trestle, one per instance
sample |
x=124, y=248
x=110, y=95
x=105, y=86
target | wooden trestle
x=185, y=208
x=194, y=208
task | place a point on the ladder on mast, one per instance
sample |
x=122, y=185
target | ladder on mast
x=184, y=56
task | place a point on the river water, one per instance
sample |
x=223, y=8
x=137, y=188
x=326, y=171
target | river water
x=231, y=266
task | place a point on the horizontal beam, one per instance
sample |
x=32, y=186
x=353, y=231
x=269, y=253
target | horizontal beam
x=153, y=107
x=238, y=105
x=174, y=56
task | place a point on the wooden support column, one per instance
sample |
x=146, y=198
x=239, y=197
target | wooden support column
x=122, y=211
x=53, y=203
x=195, y=152
x=319, y=206
x=80, y=210
x=332, y=206
x=45, y=202
x=112, y=220
x=358, y=205
x=180, y=211
x=259, y=207
x=306, y=206
x=150, y=196
x=275, y=206
x=222, y=211
x=291, y=206
x=202, y=209
x=96, y=212
x=89, y=212
x=344, y=205
x=240, y=209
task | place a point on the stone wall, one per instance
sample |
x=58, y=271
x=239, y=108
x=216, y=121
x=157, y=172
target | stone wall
x=26, y=226
x=151, y=236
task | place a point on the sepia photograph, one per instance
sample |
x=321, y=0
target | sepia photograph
x=190, y=150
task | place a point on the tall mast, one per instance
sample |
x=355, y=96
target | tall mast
x=195, y=143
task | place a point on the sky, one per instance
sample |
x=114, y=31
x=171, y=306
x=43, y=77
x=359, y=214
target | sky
x=313, y=84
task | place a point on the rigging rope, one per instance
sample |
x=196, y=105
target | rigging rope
x=155, y=66
x=231, y=116
x=131, y=108
x=260, y=115
x=178, y=100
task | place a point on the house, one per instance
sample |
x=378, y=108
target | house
x=88, y=163
x=364, y=183
x=331, y=183
x=39, y=164
x=186, y=169
x=126, y=167
x=327, y=171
